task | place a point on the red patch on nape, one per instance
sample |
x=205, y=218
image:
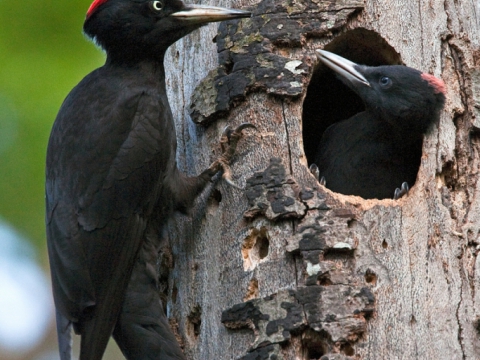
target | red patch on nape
x=94, y=7
x=437, y=84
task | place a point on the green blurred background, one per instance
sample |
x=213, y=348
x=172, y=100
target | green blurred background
x=43, y=55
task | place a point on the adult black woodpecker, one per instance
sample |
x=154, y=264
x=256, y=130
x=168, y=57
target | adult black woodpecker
x=112, y=181
x=379, y=149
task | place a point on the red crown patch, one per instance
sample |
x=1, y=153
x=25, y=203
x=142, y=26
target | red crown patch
x=437, y=84
x=94, y=7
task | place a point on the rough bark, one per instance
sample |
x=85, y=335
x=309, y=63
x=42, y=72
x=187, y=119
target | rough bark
x=286, y=269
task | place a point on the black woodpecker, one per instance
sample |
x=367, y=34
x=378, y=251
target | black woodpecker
x=112, y=181
x=374, y=152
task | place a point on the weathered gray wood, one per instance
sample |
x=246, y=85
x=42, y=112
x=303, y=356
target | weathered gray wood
x=417, y=256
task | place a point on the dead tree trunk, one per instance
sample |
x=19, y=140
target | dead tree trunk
x=286, y=269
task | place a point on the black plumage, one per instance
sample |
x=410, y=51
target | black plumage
x=378, y=150
x=112, y=181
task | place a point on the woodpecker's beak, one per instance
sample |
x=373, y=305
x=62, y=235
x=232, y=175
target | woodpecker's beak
x=200, y=14
x=342, y=66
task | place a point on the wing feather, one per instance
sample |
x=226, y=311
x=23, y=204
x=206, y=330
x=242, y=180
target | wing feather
x=105, y=168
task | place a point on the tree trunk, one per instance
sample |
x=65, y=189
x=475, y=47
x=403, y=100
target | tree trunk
x=286, y=269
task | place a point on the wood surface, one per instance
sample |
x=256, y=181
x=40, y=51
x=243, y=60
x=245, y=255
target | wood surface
x=292, y=269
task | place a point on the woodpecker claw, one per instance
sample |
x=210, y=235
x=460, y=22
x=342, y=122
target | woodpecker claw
x=231, y=183
x=315, y=171
x=316, y=174
x=228, y=144
x=402, y=191
x=323, y=181
x=244, y=126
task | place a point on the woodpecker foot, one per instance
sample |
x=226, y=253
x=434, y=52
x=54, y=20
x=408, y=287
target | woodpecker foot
x=402, y=191
x=228, y=144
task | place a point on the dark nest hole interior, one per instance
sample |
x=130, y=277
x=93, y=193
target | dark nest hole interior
x=328, y=100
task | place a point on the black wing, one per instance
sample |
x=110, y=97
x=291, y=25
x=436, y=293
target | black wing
x=106, y=159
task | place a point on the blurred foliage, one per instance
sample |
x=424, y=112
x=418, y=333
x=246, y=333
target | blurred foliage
x=43, y=55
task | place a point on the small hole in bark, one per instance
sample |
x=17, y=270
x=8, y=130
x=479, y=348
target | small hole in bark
x=370, y=277
x=413, y=321
x=314, y=345
x=324, y=280
x=328, y=99
x=315, y=352
x=228, y=67
x=368, y=314
x=476, y=324
x=351, y=223
x=384, y=244
x=263, y=245
x=255, y=248
x=195, y=321
x=448, y=175
x=215, y=198
x=252, y=291
x=217, y=195
x=348, y=349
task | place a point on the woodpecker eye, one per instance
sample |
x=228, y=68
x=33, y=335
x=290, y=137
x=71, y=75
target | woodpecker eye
x=385, y=81
x=157, y=5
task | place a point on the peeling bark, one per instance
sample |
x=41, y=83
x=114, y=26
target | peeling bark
x=286, y=269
